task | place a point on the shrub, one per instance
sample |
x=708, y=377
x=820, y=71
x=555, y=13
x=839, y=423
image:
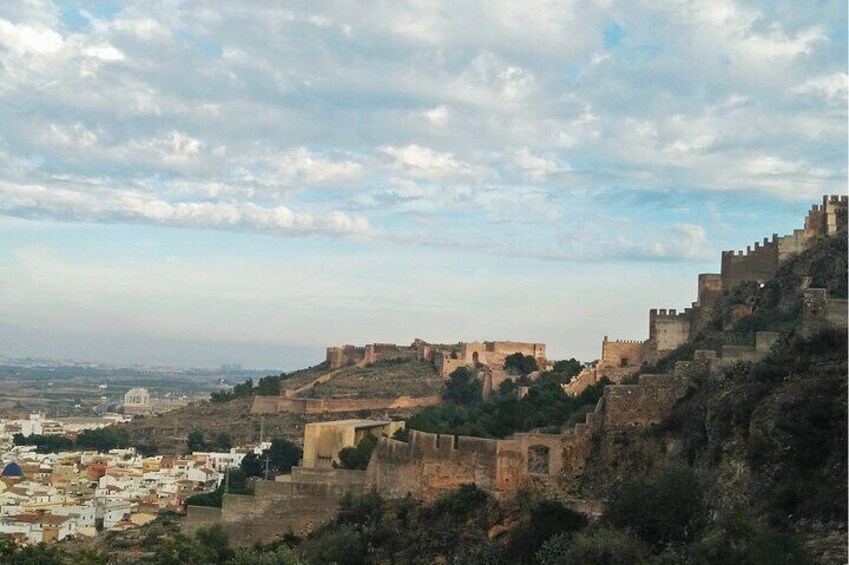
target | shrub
x=602, y=546
x=359, y=456
x=665, y=509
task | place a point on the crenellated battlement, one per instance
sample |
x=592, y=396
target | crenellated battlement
x=632, y=341
x=758, y=247
x=666, y=313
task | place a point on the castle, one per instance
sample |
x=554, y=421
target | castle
x=669, y=328
x=446, y=358
x=488, y=357
x=552, y=465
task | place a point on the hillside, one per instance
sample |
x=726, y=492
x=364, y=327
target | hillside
x=749, y=467
x=769, y=437
x=166, y=434
x=384, y=379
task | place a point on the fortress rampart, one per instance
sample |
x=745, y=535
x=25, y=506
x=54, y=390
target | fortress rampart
x=758, y=264
x=431, y=464
x=277, y=507
x=280, y=404
x=445, y=358
x=670, y=329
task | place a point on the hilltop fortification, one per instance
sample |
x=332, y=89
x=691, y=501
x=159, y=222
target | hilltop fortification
x=573, y=465
x=671, y=328
x=446, y=358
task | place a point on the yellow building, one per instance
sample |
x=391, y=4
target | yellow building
x=324, y=440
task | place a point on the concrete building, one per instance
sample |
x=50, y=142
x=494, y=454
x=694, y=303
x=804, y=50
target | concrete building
x=324, y=440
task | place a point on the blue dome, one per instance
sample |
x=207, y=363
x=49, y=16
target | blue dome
x=12, y=470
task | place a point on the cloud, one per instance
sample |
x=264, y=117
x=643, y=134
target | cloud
x=538, y=168
x=115, y=205
x=833, y=87
x=445, y=114
x=438, y=115
x=302, y=166
x=26, y=39
x=104, y=52
x=424, y=162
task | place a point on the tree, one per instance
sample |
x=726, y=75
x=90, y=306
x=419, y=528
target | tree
x=520, y=364
x=664, y=509
x=283, y=455
x=195, y=441
x=463, y=387
x=223, y=441
x=221, y=396
x=547, y=519
x=270, y=385
x=566, y=369
x=507, y=388
x=216, y=542
x=359, y=456
x=737, y=539
x=244, y=389
x=252, y=465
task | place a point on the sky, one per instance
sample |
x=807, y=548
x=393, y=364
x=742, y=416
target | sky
x=207, y=182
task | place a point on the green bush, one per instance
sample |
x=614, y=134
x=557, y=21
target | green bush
x=359, y=456
x=664, y=509
x=738, y=539
x=601, y=546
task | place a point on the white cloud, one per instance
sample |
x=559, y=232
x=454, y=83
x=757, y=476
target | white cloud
x=114, y=205
x=303, y=166
x=424, y=162
x=23, y=38
x=438, y=115
x=104, y=52
x=405, y=188
x=833, y=87
x=538, y=168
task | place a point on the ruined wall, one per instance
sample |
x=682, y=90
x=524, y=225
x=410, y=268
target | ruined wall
x=642, y=404
x=275, y=508
x=508, y=347
x=430, y=464
x=731, y=354
x=587, y=377
x=445, y=364
x=327, y=477
x=820, y=311
x=381, y=351
x=338, y=357
x=264, y=405
x=261, y=405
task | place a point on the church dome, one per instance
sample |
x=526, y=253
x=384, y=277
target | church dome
x=12, y=470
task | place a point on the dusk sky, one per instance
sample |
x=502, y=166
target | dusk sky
x=213, y=182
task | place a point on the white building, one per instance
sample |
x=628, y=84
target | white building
x=137, y=401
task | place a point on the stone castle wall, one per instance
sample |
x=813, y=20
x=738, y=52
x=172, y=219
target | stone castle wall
x=280, y=404
x=428, y=465
x=669, y=329
x=276, y=508
x=758, y=264
x=622, y=353
x=338, y=357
